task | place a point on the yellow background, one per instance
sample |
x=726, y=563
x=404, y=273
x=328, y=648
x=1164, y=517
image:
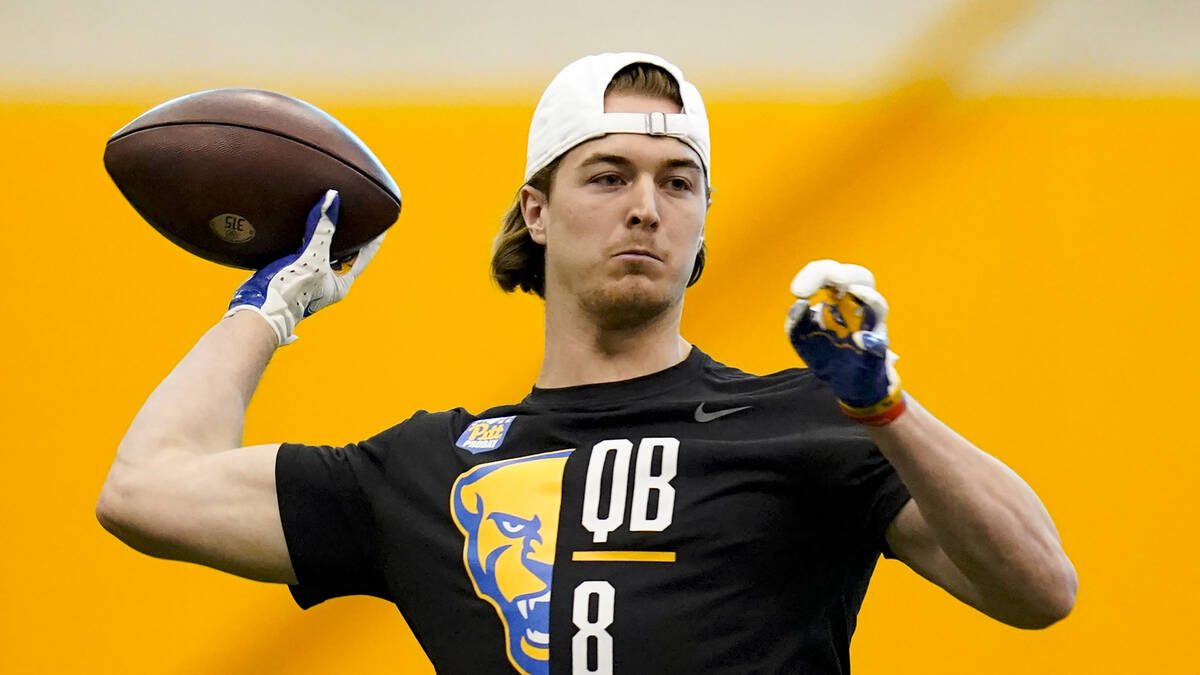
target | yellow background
x=1039, y=256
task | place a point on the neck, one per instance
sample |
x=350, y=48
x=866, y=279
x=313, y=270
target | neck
x=581, y=351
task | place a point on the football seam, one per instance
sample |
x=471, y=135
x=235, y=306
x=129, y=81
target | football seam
x=386, y=190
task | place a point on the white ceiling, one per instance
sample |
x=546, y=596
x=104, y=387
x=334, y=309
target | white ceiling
x=846, y=49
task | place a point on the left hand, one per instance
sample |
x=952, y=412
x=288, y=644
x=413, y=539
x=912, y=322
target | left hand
x=838, y=326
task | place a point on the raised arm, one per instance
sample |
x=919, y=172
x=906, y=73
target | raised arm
x=973, y=526
x=181, y=487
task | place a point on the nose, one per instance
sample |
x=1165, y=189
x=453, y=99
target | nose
x=643, y=208
x=538, y=559
x=536, y=550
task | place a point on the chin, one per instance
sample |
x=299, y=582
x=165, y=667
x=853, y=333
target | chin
x=629, y=302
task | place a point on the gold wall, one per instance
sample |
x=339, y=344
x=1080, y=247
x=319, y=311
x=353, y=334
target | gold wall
x=1039, y=256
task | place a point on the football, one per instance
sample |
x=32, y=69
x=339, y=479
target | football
x=230, y=175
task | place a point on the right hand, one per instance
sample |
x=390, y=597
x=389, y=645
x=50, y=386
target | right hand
x=297, y=285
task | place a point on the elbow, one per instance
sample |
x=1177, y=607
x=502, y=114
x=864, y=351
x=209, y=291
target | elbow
x=125, y=507
x=1054, y=603
x=111, y=509
x=1064, y=598
x=122, y=510
x=134, y=506
x=1047, y=615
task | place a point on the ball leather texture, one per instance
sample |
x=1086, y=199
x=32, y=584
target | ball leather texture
x=231, y=174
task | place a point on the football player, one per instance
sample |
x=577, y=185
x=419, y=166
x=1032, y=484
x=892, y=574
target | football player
x=645, y=508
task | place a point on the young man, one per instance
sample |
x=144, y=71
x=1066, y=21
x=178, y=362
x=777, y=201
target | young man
x=644, y=508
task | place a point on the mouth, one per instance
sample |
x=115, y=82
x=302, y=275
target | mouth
x=536, y=611
x=637, y=254
x=536, y=638
x=525, y=606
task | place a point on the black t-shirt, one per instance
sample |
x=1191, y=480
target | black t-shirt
x=695, y=520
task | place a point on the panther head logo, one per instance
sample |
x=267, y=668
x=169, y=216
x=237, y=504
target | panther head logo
x=508, y=514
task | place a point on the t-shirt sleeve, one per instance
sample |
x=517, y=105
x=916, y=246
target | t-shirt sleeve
x=883, y=494
x=871, y=492
x=328, y=521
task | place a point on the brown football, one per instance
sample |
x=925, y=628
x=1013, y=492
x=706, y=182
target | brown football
x=230, y=175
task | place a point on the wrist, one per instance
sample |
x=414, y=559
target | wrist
x=277, y=329
x=878, y=414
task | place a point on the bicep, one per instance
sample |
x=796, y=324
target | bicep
x=220, y=510
x=913, y=542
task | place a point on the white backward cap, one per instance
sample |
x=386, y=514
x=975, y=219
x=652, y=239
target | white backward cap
x=572, y=111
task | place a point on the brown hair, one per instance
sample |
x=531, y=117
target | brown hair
x=519, y=261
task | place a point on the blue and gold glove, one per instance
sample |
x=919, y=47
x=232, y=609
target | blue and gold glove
x=297, y=285
x=838, y=326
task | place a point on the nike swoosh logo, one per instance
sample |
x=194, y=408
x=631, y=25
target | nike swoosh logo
x=702, y=416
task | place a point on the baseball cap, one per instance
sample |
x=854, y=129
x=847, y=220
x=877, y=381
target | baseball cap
x=571, y=111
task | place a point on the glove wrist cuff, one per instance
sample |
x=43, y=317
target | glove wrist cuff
x=278, y=324
x=879, y=414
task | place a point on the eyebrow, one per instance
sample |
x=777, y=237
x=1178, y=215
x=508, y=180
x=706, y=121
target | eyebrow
x=618, y=160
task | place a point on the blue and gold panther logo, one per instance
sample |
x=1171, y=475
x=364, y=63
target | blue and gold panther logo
x=508, y=513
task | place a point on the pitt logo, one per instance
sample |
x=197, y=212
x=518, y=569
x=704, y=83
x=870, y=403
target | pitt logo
x=483, y=435
x=508, y=514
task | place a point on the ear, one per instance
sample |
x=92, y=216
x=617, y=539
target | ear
x=533, y=208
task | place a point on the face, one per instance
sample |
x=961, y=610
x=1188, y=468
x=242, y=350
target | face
x=508, y=514
x=624, y=222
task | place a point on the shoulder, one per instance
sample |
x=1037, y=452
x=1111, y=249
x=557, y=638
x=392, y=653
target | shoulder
x=433, y=426
x=440, y=429
x=794, y=380
x=794, y=398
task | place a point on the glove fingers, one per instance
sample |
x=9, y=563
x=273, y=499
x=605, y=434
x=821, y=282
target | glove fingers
x=368, y=251
x=872, y=300
x=796, y=315
x=872, y=337
x=892, y=375
x=353, y=265
x=335, y=286
x=847, y=275
x=319, y=228
x=871, y=343
x=814, y=275
x=820, y=273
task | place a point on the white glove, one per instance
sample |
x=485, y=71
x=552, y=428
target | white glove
x=295, y=286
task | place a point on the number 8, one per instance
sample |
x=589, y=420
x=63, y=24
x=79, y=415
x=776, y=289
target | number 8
x=580, y=644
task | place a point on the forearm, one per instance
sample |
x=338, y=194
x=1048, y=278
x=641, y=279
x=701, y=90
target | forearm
x=200, y=406
x=985, y=518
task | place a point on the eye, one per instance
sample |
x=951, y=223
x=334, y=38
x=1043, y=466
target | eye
x=678, y=184
x=608, y=179
x=515, y=527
